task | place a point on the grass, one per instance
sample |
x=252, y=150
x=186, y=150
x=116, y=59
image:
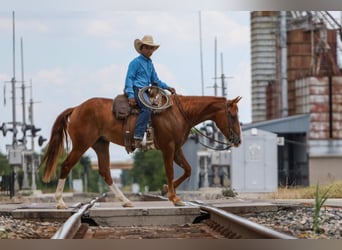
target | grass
x=335, y=191
x=320, y=199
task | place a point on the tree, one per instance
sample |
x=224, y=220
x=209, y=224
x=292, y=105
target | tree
x=5, y=168
x=148, y=170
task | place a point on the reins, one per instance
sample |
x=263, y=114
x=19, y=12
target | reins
x=180, y=107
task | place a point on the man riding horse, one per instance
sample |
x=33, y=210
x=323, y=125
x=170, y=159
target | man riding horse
x=141, y=73
x=92, y=124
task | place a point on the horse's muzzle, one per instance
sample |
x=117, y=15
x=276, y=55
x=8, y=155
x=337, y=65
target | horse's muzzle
x=235, y=139
x=237, y=142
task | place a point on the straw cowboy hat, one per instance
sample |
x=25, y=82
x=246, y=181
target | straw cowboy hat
x=147, y=40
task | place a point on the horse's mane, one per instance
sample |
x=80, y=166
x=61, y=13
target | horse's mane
x=189, y=102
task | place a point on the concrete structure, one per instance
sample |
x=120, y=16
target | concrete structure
x=143, y=214
x=324, y=103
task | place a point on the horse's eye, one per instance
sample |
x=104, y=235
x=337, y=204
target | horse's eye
x=231, y=116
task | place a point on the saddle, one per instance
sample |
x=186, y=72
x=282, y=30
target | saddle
x=121, y=110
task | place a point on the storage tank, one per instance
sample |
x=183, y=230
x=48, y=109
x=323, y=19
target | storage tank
x=264, y=29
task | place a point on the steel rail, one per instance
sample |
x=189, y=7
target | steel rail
x=69, y=229
x=235, y=226
x=228, y=224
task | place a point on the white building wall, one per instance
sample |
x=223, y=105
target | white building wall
x=255, y=163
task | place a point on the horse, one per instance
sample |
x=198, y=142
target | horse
x=93, y=125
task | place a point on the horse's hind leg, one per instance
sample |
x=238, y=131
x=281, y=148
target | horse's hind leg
x=101, y=148
x=67, y=165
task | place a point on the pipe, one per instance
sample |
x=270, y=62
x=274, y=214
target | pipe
x=283, y=38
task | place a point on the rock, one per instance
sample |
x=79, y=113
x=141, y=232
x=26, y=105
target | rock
x=299, y=222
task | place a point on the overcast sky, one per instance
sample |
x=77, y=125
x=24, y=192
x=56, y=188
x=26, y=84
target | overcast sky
x=70, y=56
x=73, y=52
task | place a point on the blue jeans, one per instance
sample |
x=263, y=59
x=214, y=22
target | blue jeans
x=144, y=116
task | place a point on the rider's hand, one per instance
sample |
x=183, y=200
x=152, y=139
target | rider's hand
x=172, y=90
x=132, y=102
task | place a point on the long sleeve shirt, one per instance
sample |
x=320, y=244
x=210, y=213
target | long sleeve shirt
x=140, y=74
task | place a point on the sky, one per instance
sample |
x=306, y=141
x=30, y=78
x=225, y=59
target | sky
x=79, y=49
x=70, y=56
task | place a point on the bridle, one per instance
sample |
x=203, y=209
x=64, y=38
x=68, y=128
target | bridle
x=227, y=145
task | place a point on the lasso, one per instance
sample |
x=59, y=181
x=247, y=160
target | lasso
x=156, y=103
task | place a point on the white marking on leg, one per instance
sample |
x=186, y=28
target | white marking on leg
x=117, y=192
x=58, y=194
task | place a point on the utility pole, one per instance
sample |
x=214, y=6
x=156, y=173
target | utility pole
x=25, y=184
x=215, y=67
x=201, y=51
x=18, y=155
x=23, y=92
x=223, y=78
x=13, y=81
x=33, y=162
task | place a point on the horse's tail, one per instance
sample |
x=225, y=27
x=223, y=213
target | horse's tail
x=56, y=144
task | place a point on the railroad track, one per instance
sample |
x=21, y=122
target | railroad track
x=210, y=222
x=236, y=227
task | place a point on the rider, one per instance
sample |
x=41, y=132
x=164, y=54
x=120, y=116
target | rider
x=141, y=73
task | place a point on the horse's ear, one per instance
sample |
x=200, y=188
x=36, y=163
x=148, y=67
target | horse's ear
x=237, y=99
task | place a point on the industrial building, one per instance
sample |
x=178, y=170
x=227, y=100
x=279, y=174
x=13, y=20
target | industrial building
x=296, y=87
x=297, y=92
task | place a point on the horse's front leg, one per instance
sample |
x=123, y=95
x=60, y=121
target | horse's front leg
x=171, y=192
x=184, y=164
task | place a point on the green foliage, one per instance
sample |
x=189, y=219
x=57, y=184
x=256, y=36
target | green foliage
x=320, y=199
x=227, y=192
x=148, y=170
x=4, y=165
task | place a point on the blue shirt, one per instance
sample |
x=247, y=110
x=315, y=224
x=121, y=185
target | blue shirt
x=140, y=74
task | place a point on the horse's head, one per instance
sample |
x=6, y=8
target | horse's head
x=229, y=123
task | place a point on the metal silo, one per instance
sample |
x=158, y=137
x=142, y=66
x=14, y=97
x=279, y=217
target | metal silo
x=264, y=29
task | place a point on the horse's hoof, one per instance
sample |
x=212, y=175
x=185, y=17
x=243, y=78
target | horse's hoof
x=179, y=203
x=127, y=204
x=60, y=206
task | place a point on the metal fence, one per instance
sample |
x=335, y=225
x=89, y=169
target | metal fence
x=7, y=185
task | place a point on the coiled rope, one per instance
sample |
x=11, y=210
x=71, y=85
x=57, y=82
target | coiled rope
x=156, y=102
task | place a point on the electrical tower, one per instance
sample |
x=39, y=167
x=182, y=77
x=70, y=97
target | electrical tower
x=19, y=156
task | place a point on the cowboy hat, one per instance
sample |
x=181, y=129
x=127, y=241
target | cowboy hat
x=146, y=40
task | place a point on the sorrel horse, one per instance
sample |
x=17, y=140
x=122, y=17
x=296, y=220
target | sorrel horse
x=92, y=124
